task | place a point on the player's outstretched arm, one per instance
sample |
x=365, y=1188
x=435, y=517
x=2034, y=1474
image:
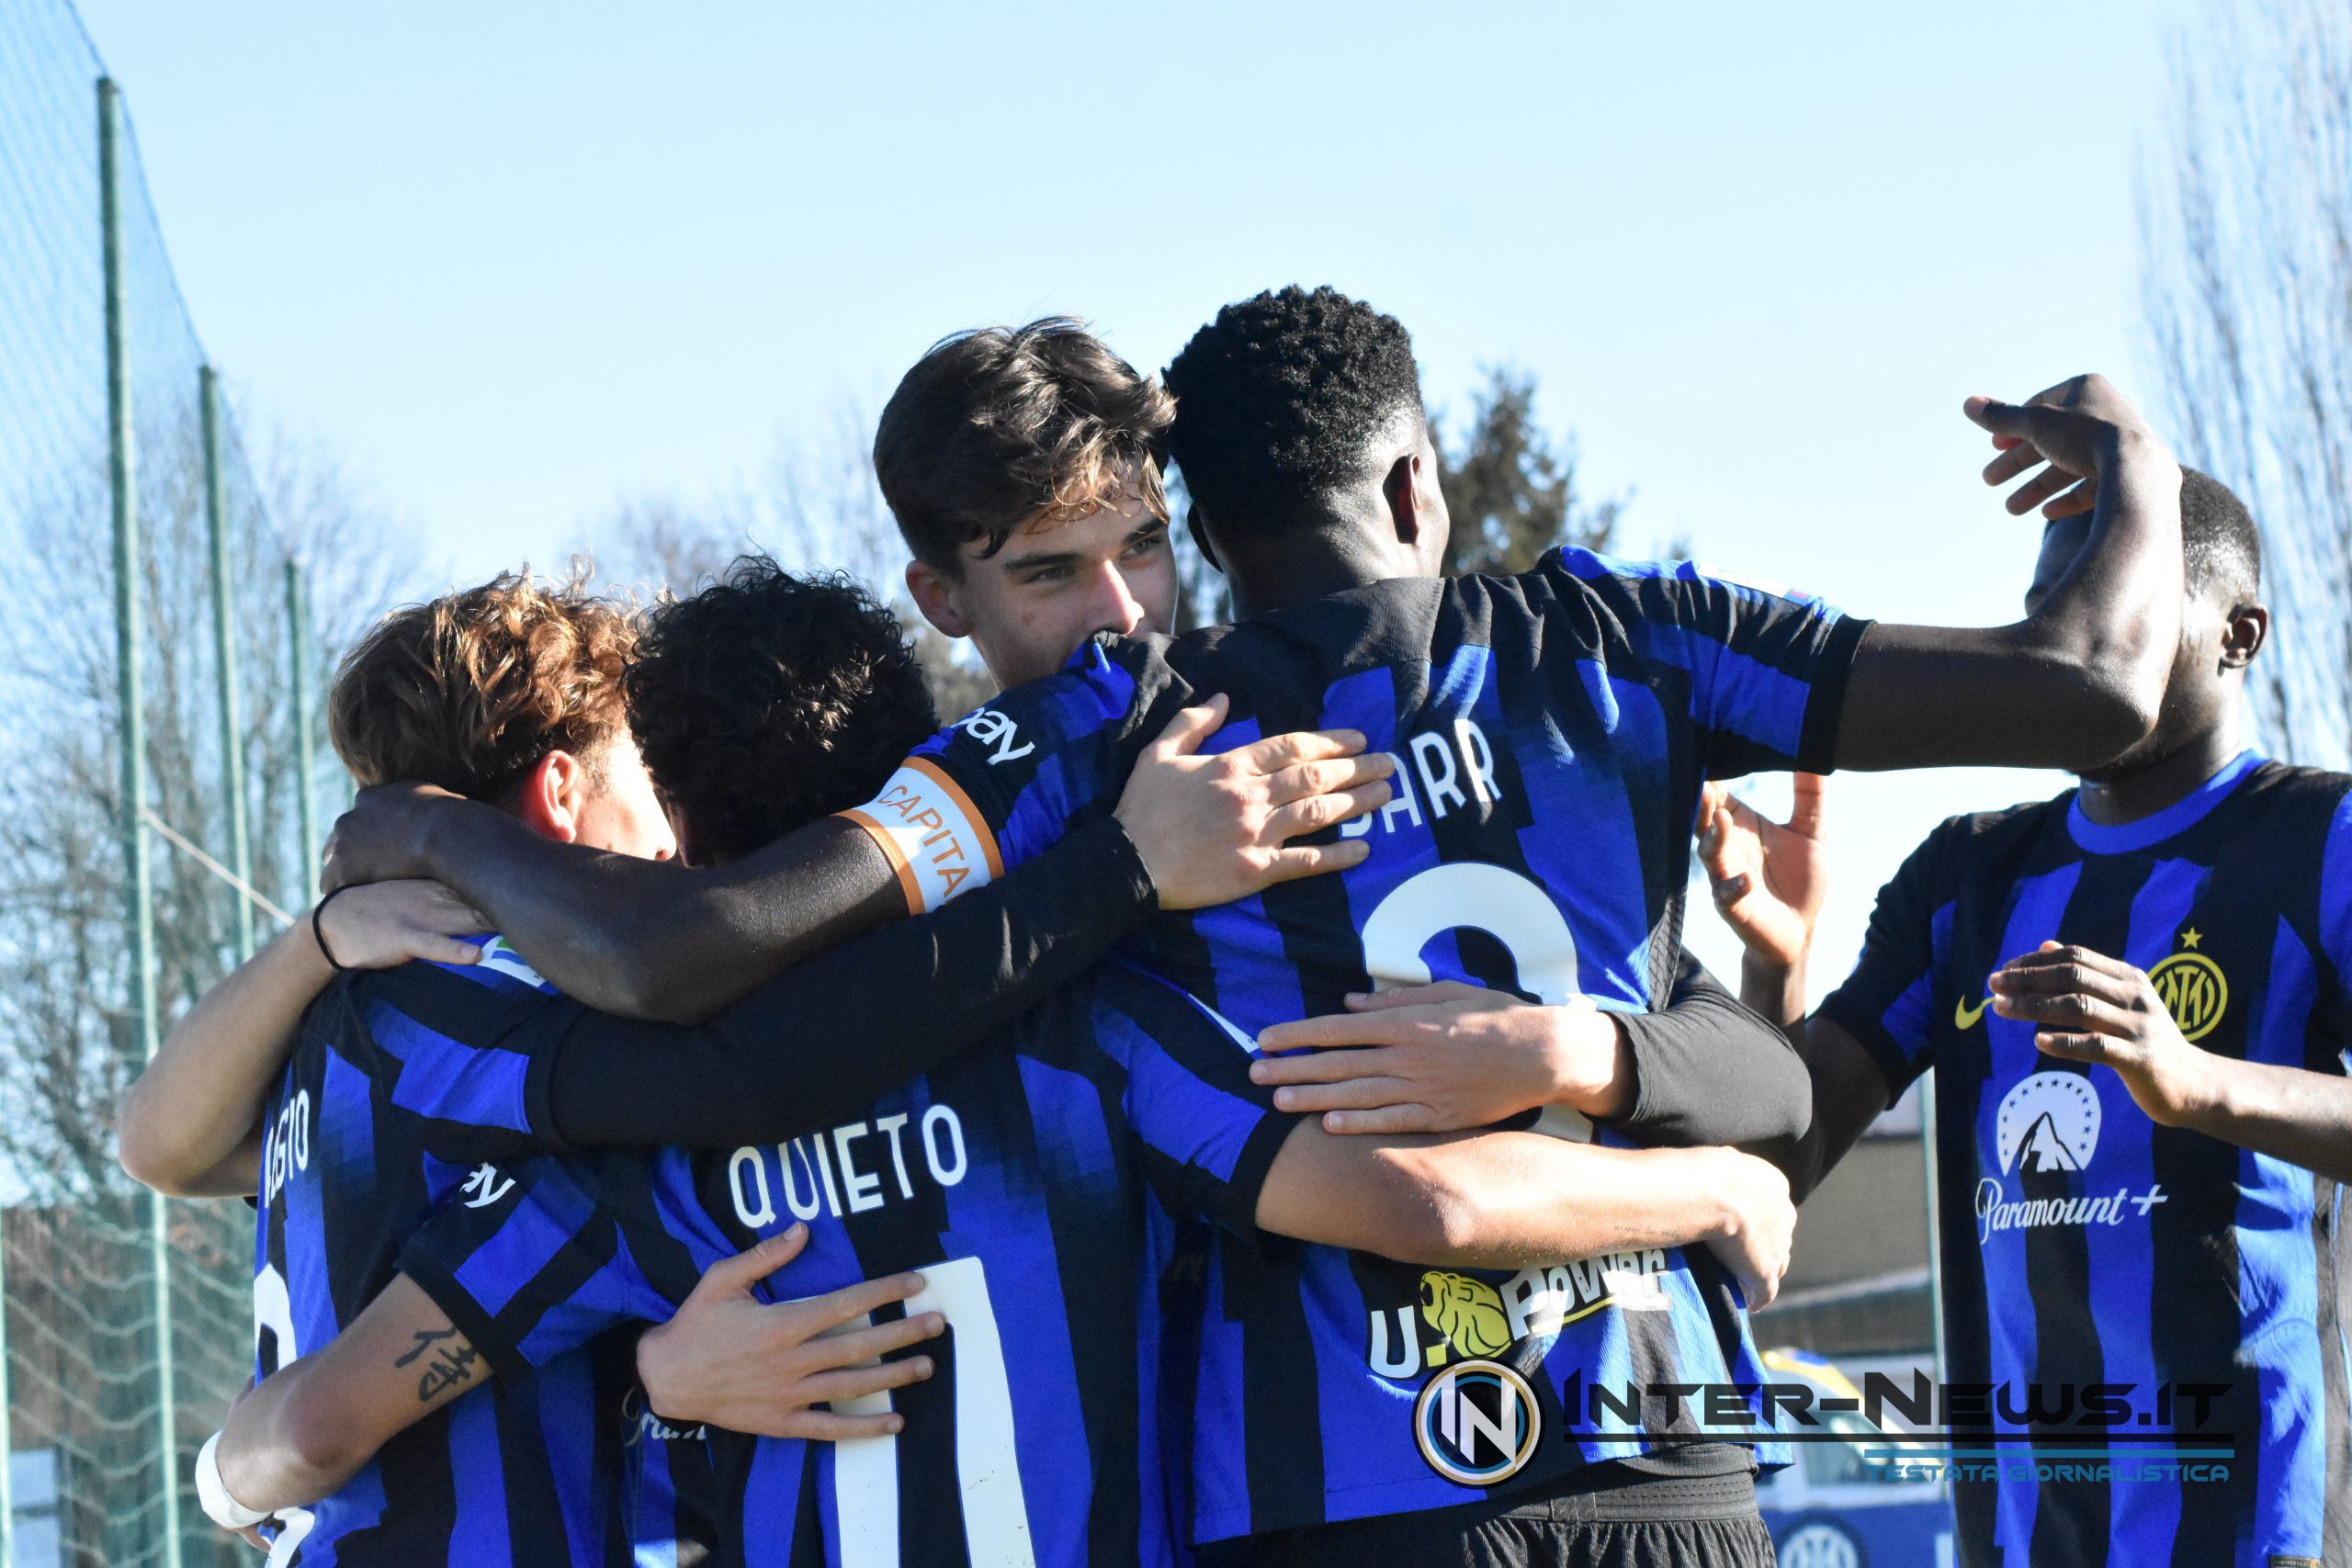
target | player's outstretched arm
x=1507, y=1200
x=640, y=937
x=2080, y=679
x=2087, y=1007
x=1709, y=1070
x=190, y=1122
x=1449, y=1057
x=810, y=1049
x=818, y=1044
x=646, y=940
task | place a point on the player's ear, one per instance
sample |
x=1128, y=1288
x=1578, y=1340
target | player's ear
x=1417, y=506
x=934, y=594
x=1407, y=505
x=1197, y=525
x=547, y=800
x=680, y=832
x=2244, y=631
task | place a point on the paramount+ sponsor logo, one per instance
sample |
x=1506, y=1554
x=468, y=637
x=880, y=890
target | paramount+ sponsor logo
x=2047, y=1127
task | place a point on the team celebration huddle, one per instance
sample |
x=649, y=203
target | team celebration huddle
x=1242, y=1096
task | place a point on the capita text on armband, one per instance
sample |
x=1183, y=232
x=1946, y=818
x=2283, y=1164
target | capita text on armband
x=936, y=839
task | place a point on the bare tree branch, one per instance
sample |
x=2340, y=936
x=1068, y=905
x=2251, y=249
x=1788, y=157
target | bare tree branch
x=2247, y=289
x=818, y=508
x=66, y=1044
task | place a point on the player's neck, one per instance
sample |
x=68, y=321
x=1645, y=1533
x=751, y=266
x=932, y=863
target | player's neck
x=1296, y=589
x=1321, y=565
x=2164, y=782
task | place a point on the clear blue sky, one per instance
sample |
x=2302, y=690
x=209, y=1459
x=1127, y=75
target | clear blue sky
x=516, y=261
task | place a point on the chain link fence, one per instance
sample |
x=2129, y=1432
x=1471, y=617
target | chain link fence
x=156, y=811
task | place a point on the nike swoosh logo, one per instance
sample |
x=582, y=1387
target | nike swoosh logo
x=1966, y=1015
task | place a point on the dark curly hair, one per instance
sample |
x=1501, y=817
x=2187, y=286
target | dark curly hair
x=996, y=426
x=1280, y=398
x=768, y=700
x=2223, y=548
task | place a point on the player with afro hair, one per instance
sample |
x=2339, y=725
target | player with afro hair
x=1306, y=448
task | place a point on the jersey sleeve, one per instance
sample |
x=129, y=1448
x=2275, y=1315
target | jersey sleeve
x=1207, y=1134
x=1765, y=670
x=818, y=1044
x=539, y=1261
x=1708, y=1071
x=451, y=1045
x=1004, y=782
x=1888, y=1002
x=2336, y=894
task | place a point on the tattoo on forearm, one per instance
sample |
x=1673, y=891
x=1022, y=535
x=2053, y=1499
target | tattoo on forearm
x=449, y=1366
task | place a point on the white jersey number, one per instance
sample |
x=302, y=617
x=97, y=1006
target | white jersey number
x=866, y=1470
x=1508, y=907
x=274, y=1312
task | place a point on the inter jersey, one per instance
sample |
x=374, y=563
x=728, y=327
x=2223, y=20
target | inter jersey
x=1036, y=1186
x=1551, y=731
x=2082, y=1245
x=389, y=1108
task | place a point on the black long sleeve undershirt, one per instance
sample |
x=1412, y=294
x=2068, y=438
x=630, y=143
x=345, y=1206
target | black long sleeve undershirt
x=1709, y=1071
x=818, y=1043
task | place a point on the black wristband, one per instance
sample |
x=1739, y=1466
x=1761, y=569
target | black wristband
x=317, y=933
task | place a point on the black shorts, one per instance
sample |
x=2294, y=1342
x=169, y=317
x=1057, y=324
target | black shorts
x=1658, y=1522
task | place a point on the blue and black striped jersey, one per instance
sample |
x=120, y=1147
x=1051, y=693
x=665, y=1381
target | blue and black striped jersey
x=407, y=1083
x=1039, y=1185
x=1552, y=731
x=2082, y=1244
x=390, y=1107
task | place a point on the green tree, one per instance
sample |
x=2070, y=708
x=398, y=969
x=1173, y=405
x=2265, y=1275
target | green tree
x=1513, y=491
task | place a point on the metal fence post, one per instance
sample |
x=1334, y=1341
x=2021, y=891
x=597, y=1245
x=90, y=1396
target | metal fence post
x=1935, y=1217
x=298, y=642
x=120, y=468
x=7, y=1437
x=224, y=643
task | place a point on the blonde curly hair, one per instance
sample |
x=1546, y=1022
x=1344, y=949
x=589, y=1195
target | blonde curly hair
x=470, y=690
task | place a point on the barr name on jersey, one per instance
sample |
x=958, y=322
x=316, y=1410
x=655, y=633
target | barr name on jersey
x=1443, y=782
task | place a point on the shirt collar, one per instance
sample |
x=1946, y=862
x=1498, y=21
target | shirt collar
x=2121, y=837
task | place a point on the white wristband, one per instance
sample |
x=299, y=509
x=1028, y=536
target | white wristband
x=213, y=1493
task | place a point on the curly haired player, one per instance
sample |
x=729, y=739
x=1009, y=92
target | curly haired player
x=392, y=1095
x=1557, y=728
x=1032, y=1189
